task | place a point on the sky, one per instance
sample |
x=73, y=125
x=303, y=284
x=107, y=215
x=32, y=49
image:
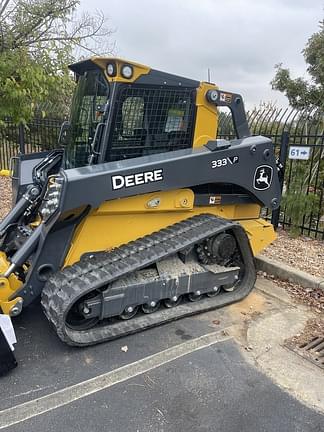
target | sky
x=240, y=41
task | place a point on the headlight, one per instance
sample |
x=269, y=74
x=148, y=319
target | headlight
x=127, y=71
x=52, y=197
x=111, y=69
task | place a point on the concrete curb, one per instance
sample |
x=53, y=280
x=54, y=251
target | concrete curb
x=287, y=273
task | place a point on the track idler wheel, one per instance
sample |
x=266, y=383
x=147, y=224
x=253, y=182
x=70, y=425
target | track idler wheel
x=77, y=315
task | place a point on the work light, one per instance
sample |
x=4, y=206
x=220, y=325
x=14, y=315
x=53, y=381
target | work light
x=127, y=71
x=111, y=69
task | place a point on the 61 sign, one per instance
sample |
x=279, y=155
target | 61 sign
x=298, y=152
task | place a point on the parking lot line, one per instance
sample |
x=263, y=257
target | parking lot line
x=36, y=407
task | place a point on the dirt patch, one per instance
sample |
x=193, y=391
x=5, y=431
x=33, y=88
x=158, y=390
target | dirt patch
x=312, y=297
x=253, y=304
x=302, y=253
x=5, y=196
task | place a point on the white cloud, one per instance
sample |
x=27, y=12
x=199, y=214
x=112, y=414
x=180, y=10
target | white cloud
x=239, y=40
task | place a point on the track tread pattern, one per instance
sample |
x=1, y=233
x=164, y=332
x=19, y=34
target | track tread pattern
x=97, y=271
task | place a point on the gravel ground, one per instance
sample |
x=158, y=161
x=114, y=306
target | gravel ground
x=5, y=196
x=302, y=253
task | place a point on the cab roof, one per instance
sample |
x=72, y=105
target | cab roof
x=144, y=74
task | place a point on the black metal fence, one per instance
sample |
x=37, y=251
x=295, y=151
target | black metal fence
x=39, y=134
x=302, y=208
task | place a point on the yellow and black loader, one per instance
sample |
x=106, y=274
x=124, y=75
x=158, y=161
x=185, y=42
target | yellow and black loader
x=141, y=216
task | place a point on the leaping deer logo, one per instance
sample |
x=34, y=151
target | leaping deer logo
x=263, y=178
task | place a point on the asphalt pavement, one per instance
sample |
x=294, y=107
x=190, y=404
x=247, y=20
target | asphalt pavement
x=189, y=375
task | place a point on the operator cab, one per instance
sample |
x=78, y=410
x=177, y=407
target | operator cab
x=123, y=110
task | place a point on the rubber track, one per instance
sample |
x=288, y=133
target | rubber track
x=97, y=271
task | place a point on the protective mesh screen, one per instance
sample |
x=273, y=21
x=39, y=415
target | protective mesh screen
x=151, y=120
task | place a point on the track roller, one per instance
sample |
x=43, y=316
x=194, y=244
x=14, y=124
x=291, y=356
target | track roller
x=172, y=302
x=151, y=307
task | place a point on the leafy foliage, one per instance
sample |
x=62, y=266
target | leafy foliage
x=300, y=201
x=300, y=92
x=38, y=39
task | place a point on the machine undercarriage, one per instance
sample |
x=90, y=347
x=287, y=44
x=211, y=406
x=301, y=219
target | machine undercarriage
x=153, y=280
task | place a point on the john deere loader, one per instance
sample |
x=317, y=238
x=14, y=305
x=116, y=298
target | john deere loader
x=141, y=216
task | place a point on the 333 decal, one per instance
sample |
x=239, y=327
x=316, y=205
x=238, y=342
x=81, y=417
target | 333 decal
x=229, y=160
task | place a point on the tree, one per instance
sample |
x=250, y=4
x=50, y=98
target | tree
x=300, y=92
x=38, y=39
x=303, y=198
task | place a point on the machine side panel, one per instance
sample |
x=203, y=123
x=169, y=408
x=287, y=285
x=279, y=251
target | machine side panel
x=248, y=163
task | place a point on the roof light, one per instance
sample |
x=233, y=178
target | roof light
x=111, y=69
x=127, y=71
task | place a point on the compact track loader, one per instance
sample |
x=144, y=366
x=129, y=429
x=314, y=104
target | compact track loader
x=141, y=216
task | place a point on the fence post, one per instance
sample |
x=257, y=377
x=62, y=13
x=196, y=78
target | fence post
x=21, y=138
x=283, y=153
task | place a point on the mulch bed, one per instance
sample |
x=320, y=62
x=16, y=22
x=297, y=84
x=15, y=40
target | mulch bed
x=5, y=196
x=302, y=253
